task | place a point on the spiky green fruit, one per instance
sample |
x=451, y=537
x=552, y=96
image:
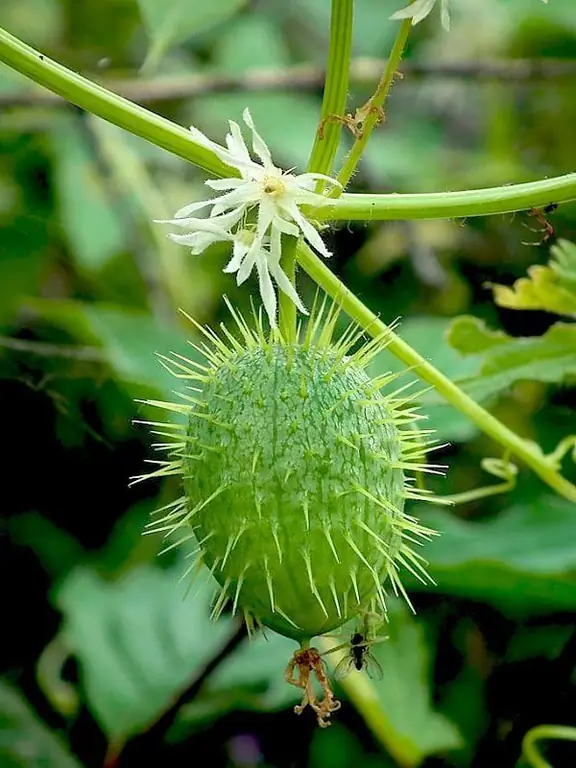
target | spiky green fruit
x=293, y=465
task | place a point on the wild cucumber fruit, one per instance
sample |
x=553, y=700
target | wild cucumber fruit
x=293, y=465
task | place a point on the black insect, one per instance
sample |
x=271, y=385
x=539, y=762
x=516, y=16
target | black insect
x=361, y=658
x=359, y=655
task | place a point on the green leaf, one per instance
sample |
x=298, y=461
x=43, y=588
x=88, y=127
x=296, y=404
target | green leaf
x=551, y=288
x=470, y=336
x=251, y=678
x=25, y=742
x=173, y=21
x=22, y=263
x=128, y=338
x=522, y=561
x=530, y=642
x=413, y=728
x=550, y=358
x=563, y=264
x=91, y=224
x=55, y=548
x=139, y=642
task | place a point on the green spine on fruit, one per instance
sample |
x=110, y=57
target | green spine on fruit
x=294, y=471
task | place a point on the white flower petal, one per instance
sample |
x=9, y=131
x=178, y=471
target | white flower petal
x=309, y=232
x=445, y=15
x=266, y=213
x=201, y=139
x=197, y=241
x=417, y=11
x=223, y=222
x=249, y=260
x=286, y=227
x=258, y=144
x=249, y=192
x=226, y=184
x=286, y=286
x=196, y=237
x=309, y=180
x=238, y=254
x=236, y=144
x=278, y=273
x=267, y=291
x=220, y=152
x=182, y=213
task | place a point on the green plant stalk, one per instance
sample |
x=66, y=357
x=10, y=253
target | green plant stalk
x=324, y=150
x=103, y=103
x=529, y=751
x=375, y=104
x=287, y=315
x=445, y=205
x=529, y=452
x=335, y=87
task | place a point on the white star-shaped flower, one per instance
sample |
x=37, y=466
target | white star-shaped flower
x=253, y=212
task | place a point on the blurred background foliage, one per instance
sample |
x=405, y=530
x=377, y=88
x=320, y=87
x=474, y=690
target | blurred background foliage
x=100, y=650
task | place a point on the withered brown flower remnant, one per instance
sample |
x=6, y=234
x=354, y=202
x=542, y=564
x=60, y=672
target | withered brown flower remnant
x=308, y=664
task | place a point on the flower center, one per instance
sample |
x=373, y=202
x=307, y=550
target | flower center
x=273, y=186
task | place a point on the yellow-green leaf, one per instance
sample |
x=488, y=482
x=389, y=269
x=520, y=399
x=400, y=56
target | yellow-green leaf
x=551, y=288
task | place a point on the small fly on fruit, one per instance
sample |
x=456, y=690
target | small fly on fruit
x=359, y=655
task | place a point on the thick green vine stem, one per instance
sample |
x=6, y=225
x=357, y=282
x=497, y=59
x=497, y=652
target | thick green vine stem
x=445, y=205
x=529, y=452
x=163, y=133
x=530, y=752
x=335, y=87
x=327, y=136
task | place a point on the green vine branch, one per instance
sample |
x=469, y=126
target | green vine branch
x=372, y=112
x=444, y=205
x=530, y=752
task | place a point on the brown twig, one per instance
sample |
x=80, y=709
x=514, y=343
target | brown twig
x=364, y=71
